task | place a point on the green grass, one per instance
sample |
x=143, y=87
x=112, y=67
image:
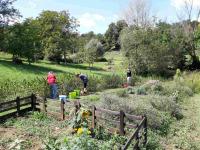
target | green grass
x=41, y=68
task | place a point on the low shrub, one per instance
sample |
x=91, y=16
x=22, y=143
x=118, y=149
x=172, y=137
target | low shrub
x=111, y=81
x=10, y=89
x=122, y=93
x=151, y=106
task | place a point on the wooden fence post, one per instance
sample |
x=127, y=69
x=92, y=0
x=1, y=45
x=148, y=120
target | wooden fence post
x=44, y=105
x=18, y=106
x=93, y=117
x=33, y=102
x=121, y=126
x=77, y=106
x=145, y=130
x=136, y=147
x=62, y=103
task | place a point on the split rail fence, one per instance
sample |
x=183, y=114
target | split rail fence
x=31, y=103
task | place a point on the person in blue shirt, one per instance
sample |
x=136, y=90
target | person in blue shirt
x=84, y=79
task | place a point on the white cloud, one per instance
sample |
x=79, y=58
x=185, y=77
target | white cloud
x=89, y=20
x=178, y=4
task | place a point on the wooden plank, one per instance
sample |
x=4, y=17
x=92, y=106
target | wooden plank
x=108, y=120
x=24, y=98
x=133, y=117
x=13, y=114
x=133, y=135
x=8, y=102
x=130, y=125
x=7, y=109
x=62, y=103
x=18, y=105
x=121, y=124
x=93, y=117
x=25, y=104
x=116, y=113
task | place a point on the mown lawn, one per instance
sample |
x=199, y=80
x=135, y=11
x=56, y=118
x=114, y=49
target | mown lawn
x=8, y=70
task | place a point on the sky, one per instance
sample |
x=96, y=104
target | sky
x=96, y=15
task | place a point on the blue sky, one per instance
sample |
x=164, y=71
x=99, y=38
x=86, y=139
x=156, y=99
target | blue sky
x=96, y=15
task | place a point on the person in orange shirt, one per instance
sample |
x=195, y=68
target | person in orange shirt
x=51, y=79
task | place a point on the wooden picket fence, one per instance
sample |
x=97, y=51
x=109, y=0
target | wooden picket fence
x=17, y=106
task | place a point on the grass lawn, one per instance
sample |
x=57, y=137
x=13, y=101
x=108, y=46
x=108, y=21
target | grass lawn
x=41, y=68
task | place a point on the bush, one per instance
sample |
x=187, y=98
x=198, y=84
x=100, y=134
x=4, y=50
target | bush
x=10, y=89
x=121, y=93
x=112, y=81
x=151, y=106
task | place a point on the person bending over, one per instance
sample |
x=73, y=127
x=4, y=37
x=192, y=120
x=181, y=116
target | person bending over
x=84, y=79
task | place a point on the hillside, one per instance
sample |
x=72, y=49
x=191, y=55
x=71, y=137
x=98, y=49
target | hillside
x=41, y=68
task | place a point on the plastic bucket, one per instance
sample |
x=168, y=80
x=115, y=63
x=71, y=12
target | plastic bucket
x=62, y=97
x=77, y=92
x=72, y=95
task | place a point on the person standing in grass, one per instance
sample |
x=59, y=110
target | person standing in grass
x=128, y=76
x=84, y=79
x=51, y=79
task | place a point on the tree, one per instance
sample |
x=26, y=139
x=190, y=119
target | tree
x=24, y=40
x=8, y=14
x=112, y=35
x=189, y=28
x=151, y=50
x=57, y=28
x=93, y=50
x=138, y=13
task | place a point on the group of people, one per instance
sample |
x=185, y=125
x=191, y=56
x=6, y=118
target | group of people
x=51, y=79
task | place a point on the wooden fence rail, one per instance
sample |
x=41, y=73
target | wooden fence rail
x=136, y=136
x=15, y=107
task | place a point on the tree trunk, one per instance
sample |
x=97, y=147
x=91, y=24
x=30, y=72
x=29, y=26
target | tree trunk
x=65, y=59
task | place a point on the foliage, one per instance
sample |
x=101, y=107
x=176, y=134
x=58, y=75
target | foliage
x=93, y=50
x=57, y=29
x=24, y=40
x=112, y=35
x=149, y=51
x=7, y=12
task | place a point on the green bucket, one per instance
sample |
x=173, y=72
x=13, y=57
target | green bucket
x=72, y=95
x=77, y=92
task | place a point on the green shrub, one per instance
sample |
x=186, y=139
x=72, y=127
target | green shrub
x=157, y=114
x=122, y=93
x=153, y=141
x=93, y=98
x=10, y=89
x=112, y=81
x=141, y=90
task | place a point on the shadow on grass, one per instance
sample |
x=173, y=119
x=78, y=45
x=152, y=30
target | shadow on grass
x=76, y=66
x=26, y=68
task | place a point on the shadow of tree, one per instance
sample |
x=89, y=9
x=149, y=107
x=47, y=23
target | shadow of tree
x=26, y=68
x=77, y=66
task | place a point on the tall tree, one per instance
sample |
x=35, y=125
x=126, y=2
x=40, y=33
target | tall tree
x=188, y=13
x=56, y=30
x=93, y=50
x=112, y=35
x=24, y=40
x=8, y=14
x=138, y=13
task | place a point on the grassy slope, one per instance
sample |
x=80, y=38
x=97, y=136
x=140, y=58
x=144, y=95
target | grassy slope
x=185, y=134
x=11, y=71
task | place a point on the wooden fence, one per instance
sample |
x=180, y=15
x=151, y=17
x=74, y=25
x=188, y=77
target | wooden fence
x=17, y=106
x=20, y=105
x=139, y=135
